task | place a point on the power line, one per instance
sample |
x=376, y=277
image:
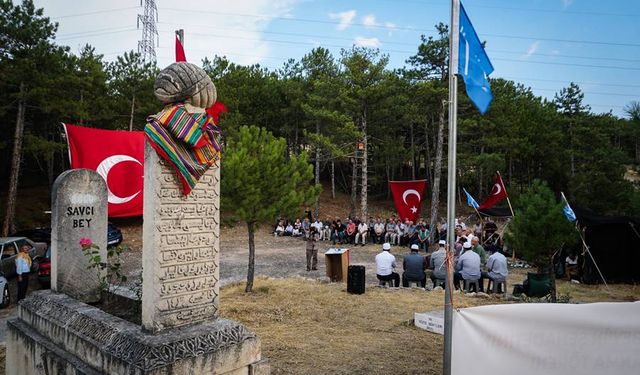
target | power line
x=580, y=83
x=92, y=13
x=564, y=11
x=409, y=52
x=98, y=34
x=294, y=19
x=491, y=51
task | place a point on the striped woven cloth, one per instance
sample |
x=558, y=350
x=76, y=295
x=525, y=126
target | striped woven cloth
x=188, y=141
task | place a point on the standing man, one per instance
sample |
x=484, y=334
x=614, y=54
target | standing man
x=23, y=267
x=385, y=264
x=414, y=265
x=312, y=251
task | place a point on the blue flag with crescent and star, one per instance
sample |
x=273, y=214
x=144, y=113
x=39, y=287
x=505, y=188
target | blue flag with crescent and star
x=474, y=65
x=470, y=201
x=567, y=210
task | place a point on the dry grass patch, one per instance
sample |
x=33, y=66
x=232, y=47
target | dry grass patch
x=310, y=327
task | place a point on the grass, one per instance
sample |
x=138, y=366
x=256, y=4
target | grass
x=311, y=327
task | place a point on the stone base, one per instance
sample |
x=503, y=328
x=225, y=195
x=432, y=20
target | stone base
x=55, y=334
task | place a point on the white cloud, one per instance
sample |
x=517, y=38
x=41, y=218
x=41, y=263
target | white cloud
x=532, y=49
x=206, y=33
x=390, y=26
x=345, y=19
x=369, y=20
x=567, y=3
x=366, y=42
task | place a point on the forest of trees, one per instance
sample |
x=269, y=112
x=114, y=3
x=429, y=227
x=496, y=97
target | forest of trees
x=361, y=122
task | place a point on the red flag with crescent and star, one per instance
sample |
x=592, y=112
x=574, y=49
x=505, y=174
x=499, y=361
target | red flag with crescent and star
x=118, y=156
x=498, y=193
x=408, y=198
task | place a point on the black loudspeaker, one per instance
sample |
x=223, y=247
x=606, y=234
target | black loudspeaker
x=355, y=280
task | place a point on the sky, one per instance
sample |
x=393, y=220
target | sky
x=542, y=44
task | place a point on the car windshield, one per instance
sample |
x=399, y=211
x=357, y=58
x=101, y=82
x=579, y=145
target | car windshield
x=8, y=250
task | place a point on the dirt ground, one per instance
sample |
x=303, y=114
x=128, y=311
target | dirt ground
x=310, y=326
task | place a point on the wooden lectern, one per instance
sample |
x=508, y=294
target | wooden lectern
x=337, y=264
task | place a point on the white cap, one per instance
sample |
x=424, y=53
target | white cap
x=442, y=242
x=386, y=246
x=467, y=245
x=414, y=247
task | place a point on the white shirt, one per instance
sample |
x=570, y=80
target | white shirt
x=385, y=263
x=378, y=228
x=318, y=225
x=362, y=228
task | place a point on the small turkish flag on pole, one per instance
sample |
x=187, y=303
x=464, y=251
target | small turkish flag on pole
x=407, y=196
x=498, y=193
x=180, y=56
x=118, y=156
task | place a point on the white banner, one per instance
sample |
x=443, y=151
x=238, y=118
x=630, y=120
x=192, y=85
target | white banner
x=547, y=339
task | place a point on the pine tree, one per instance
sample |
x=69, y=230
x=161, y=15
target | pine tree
x=259, y=182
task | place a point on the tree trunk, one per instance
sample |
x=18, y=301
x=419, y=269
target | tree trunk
x=354, y=184
x=427, y=153
x=133, y=107
x=9, y=224
x=295, y=140
x=333, y=179
x=364, y=209
x=50, y=162
x=388, y=178
x=317, y=209
x=480, y=176
x=637, y=151
x=252, y=257
x=437, y=170
x=413, y=152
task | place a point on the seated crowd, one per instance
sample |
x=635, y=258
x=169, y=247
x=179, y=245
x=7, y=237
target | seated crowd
x=471, y=264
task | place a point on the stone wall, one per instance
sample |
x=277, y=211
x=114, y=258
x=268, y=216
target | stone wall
x=96, y=342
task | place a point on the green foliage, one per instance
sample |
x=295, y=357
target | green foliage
x=110, y=269
x=539, y=227
x=259, y=182
x=321, y=103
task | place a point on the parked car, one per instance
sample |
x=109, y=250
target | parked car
x=44, y=269
x=114, y=235
x=9, y=247
x=35, y=234
x=4, y=292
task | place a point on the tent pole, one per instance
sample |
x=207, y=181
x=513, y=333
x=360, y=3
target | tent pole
x=584, y=243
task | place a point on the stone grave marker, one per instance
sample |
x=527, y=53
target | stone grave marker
x=180, y=247
x=78, y=210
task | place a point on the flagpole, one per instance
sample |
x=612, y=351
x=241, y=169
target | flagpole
x=454, y=33
x=505, y=191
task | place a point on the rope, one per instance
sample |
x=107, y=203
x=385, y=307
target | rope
x=449, y=262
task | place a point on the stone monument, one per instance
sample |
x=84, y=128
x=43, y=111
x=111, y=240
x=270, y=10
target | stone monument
x=78, y=210
x=56, y=333
x=180, y=247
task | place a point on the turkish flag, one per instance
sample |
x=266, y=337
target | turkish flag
x=408, y=195
x=180, y=56
x=498, y=193
x=118, y=156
